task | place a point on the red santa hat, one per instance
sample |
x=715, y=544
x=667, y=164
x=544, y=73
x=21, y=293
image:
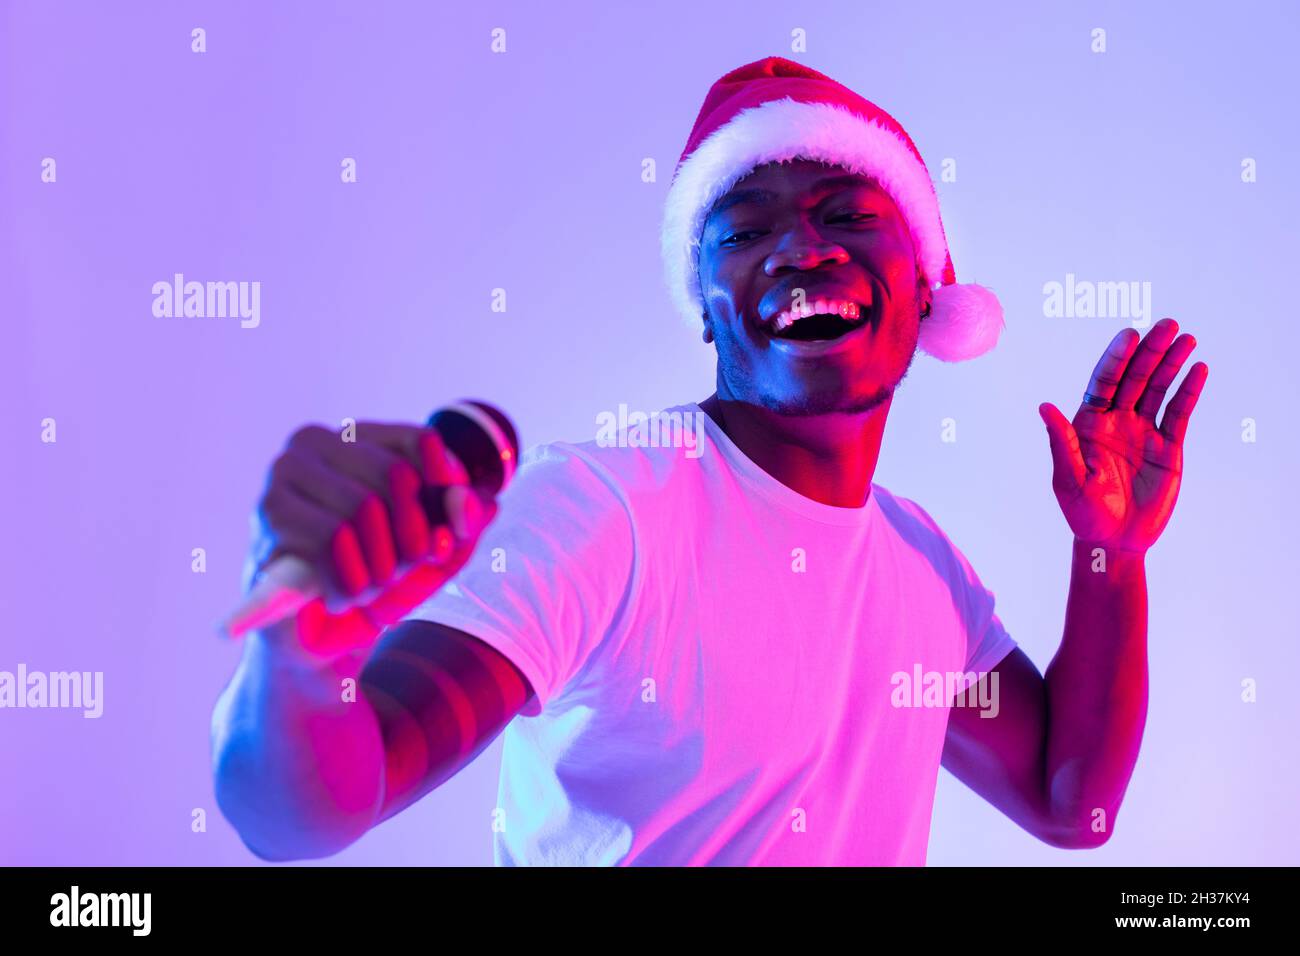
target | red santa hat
x=774, y=110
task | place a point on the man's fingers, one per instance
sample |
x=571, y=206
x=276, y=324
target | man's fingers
x=1144, y=361
x=399, y=438
x=422, y=447
x=328, y=632
x=441, y=466
x=374, y=465
x=1174, y=423
x=420, y=580
x=1148, y=405
x=1068, y=469
x=401, y=463
x=300, y=525
x=1109, y=369
x=409, y=591
x=348, y=498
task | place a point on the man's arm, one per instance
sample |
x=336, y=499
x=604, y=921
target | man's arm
x=1062, y=748
x=440, y=696
x=1059, y=755
x=303, y=769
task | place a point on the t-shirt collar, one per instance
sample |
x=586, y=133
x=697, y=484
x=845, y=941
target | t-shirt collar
x=778, y=493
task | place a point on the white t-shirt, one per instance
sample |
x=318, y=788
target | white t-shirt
x=716, y=659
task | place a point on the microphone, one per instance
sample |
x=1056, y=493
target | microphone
x=481, y=437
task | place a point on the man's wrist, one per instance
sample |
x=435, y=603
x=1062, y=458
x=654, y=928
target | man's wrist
x=1088, y=549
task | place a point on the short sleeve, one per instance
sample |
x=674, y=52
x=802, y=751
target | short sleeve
x=551, y=575
x=987, y=640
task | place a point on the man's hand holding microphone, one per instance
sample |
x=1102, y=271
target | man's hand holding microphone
x=349, y=536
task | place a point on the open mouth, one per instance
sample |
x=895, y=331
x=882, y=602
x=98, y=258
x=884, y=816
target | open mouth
x=818, y=328
x=825, y=319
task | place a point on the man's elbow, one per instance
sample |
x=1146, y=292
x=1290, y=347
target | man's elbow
x=1076, y=834
x=268, y=853
x=284, y=840
x=1087, y=839
x=276, y=828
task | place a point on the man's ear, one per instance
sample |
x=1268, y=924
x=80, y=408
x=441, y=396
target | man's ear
x=924, y=297
x=708, y=328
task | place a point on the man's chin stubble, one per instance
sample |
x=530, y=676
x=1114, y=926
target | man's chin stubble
x=825, y=404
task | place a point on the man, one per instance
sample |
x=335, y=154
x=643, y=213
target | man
x=748, y=654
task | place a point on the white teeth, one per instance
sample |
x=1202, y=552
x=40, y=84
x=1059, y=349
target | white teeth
x=843, y=307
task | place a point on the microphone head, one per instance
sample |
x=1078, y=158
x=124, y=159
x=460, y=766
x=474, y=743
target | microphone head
x=484, y=440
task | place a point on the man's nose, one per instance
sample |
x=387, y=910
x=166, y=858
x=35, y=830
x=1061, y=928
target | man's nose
x=803, y=249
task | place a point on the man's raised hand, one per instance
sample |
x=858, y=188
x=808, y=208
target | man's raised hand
x=1115, y=473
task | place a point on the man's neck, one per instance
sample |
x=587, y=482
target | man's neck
x=828, y=458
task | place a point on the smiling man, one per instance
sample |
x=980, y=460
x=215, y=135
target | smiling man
x=696, y=657
x=799, y=322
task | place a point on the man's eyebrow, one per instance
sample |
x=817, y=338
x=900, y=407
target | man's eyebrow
x=764, y=196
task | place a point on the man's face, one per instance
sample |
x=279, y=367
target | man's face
x=837, y=236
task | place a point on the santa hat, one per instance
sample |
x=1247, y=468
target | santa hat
x=776, y=110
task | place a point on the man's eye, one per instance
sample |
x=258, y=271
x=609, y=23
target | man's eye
x=860, y=216
x=737, y=237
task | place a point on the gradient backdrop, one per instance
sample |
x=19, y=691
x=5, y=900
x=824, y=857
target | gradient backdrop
x=522, y=171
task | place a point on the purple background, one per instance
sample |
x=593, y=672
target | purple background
x=523, y=171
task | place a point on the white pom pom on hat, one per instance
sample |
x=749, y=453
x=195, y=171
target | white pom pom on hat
x=774, y=110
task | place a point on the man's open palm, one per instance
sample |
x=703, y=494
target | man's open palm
x=1116, y=473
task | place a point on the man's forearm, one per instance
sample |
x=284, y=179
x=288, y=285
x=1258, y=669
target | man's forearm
x=1097, y=690
x=299, y=769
